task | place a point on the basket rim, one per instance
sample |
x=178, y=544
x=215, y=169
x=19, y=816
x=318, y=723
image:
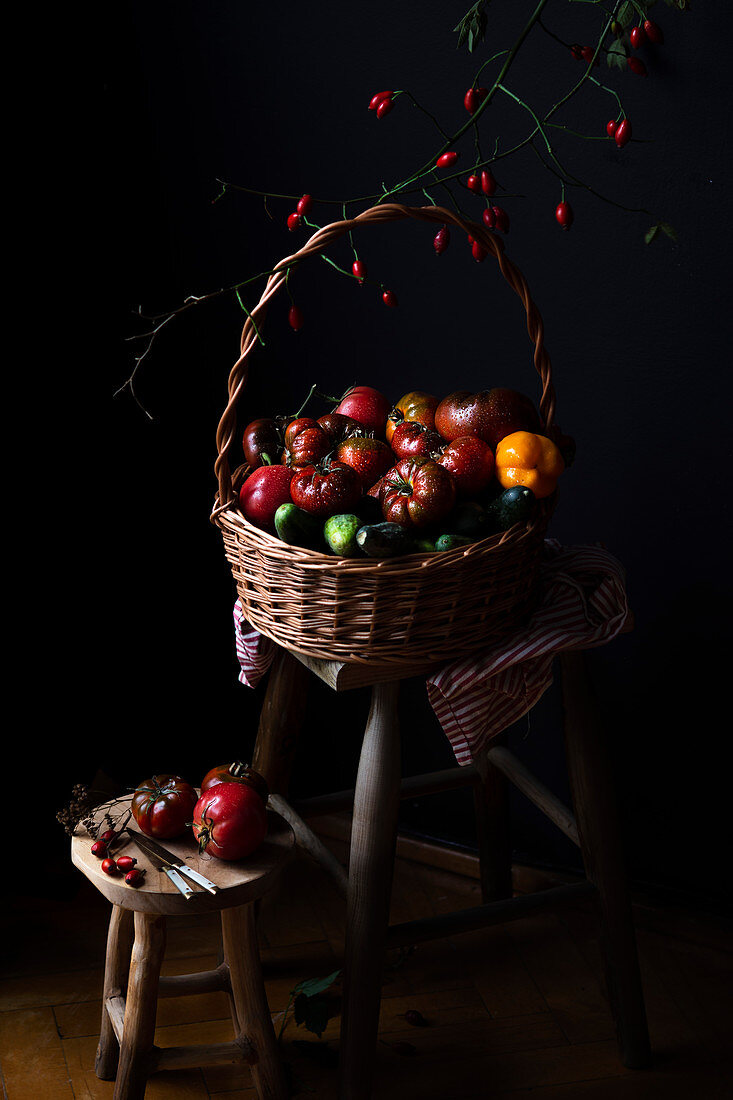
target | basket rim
x=317, y=561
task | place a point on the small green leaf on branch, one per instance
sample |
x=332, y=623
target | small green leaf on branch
x=626, y=14
x=472, y=26
x=616, y=56
x=661, y=227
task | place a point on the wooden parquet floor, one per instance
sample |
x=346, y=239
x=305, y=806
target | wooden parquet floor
x=516, y=1010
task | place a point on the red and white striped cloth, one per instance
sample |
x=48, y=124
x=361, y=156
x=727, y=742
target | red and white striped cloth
x=583, y=605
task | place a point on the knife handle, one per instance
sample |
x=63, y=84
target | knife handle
x=179, y=883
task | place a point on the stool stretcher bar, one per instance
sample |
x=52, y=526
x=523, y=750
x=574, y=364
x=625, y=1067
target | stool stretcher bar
x=413, y=787
x=184, y=1057
x=206, y=981
x=536, y=792
x=305, y=838
x=483, y=916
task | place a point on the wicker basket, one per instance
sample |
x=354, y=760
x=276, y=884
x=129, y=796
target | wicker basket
x=417, y=607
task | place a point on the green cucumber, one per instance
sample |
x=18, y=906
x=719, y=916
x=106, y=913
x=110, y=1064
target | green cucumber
x=422, y=544
x=452, y=542
x=340, y=534
x=298, y=528
x=383, y=540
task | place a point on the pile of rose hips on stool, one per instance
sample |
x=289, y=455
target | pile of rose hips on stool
x=425, y=475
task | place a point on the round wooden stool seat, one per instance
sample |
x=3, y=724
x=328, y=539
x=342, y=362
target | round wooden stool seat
x=240, y=882
x=135, y=950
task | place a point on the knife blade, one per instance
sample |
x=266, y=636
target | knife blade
x=172, y=865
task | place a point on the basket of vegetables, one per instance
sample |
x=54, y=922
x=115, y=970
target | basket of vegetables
x=390, y=533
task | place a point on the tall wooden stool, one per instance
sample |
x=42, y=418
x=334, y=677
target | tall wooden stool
x=375, y=801
x=135, y=947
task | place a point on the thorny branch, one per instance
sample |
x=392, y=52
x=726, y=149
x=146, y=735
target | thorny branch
x=611, y=42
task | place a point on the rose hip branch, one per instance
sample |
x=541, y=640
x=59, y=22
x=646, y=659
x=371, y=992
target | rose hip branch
x=458, y=166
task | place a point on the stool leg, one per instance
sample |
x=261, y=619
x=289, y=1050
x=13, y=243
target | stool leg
x=280, y=721
x=589, y=768
x=140, y=1007
x=373, y=840
x=116, y=971
x=493, y=831
x=241, y=954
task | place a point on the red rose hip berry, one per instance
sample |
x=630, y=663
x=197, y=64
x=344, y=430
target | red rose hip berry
x=377, y=99
x=654, y=32
x=488, y=183
x=622, y=135
x=441, y=240
x=564, y=215
x=637, y=37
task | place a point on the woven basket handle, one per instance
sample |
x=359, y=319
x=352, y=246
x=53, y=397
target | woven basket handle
x=375, y=215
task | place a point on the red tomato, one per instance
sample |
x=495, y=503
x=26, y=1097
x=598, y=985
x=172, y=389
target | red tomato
x=262, y=494
x=295, y=427
x=326, y=490
x=491, y=415
x=417, y=407
x=366, y=405
x=308, y=447
x=411, y=438
x=163, y=806
x=417, y=492
x=471, y=461
x=369, y=457
x=235, y=773
x=230, y=821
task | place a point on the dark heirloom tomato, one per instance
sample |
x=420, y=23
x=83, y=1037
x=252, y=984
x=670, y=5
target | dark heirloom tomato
x=338, y=427
x=163, y=806
x=411, y=438
x=471, y=461
x=417, y=492
x=308, y=447
x=237, y=772
x=230, y=821
x=490, y=414
x=327, y=489
x=262, y=437
x=416, y=407
x=369, y=457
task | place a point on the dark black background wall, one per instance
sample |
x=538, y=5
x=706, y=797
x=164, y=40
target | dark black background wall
x=173, y=96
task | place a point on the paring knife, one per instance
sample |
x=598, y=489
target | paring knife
x=173, y=866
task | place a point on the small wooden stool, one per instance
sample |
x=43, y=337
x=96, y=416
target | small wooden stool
x=132, y=982
x=375, y=802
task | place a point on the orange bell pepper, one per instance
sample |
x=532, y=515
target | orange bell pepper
x=524, y=458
